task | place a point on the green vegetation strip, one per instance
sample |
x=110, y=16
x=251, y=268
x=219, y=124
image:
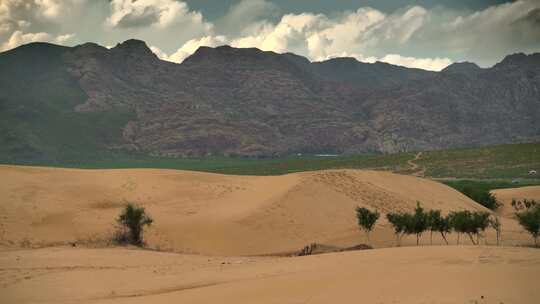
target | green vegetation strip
x=500, y=165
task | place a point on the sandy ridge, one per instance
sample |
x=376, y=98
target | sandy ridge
x=214, y=214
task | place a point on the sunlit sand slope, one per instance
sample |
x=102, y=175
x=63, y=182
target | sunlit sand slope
x=210, y=213
x=437, y=274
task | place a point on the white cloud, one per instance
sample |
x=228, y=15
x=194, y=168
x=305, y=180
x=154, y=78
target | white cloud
x=190, y=47
x=164, y=23
x=62, y=39
x=158, y=13
x=49, y=8
x=409, y=37
x=432, y=64
x=44, y=10
x=344, y=36
x=289, y=35
x=23, y=23
x=38, y=16
x=5, y=28
x=319, y=37
x=18, y=38
x=412, y=36
x=402, y=27
x=245, y=14
x=162, y=55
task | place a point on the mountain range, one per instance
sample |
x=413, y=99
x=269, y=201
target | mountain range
x=87, y=101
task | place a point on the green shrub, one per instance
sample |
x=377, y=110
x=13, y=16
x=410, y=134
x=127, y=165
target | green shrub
x=401, y=223
x=480, y=224
x=470, y=223
x=482, y=196
x=459, y=221
x=438, y=223
x=444, y=227
x=366, y=219
x=525, y=204
x=530, y=221
x=134, y=218
x=496, y=224
x=419, y=222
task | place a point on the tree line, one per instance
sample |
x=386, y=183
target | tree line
x=528, y=216
x=470, y=223
x=473, y=224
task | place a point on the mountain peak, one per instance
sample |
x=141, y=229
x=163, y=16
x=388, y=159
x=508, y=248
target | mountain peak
x=225, y=53
x=132, y=43
x=520, y=59
x=342, y=60
x=134, y=47
x=462, y=67
x=90, y=48
x=36, y=48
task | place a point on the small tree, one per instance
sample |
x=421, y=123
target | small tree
x=458, y=222
x=400, y=222
x=433, y=222
x=516, y=204
x=523, y=205
x=134, y=218
x=496, y=224
x=444, y=227
x=469, y=223
x=366, y=219
x=438, y=223
x=480, y=222
x=530, y=221
x=419, y=222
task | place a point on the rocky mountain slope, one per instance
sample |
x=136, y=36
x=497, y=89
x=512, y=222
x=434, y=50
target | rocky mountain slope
x=85, y=101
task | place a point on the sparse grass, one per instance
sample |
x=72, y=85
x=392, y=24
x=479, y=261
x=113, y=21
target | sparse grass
x=488, y=185
x=501, y=161
x=495, y=166
x=239, y=166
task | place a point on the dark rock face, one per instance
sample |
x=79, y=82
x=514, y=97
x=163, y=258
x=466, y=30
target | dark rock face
x=248, y=102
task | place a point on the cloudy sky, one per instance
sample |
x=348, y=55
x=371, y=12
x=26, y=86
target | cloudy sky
x=428, y=34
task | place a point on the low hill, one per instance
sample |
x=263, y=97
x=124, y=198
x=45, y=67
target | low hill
x=215, y=214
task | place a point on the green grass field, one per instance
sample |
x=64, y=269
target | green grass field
x=242, y=166
x=493, y=167
x=505, y=162
x=502, y=161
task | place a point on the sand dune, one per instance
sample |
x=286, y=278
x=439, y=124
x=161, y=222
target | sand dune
x=505, y=196
x=210, y=213
x=225, y=227
x=430, y=274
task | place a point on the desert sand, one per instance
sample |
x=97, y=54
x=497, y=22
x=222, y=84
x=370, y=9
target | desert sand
x=227, y=239
x=430, y=274
x=215, y=214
